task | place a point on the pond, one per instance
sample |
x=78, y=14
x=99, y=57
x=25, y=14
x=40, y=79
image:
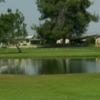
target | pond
x=49, y=66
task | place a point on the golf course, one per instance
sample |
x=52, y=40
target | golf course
x=50, y=52
x=83, y=86
x=50, y=87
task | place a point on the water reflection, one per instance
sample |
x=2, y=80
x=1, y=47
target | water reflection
x=49, y=66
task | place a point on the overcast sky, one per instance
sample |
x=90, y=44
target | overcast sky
x=29, y=10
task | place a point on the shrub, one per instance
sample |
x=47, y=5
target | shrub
x=90, y=41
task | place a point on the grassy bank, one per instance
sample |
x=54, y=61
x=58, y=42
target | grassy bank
x=50, y=52
x=54, y=87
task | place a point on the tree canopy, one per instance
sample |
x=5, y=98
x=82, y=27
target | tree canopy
x=12, y=27
x=64, y=18
x=2, y=0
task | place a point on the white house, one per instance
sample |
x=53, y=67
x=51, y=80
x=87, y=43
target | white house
x=26, y=41
x=60, y=41
x=97, y=42
x=1, y=44
x=31, y=40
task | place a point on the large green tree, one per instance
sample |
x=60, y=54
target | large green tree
x=12, y=27
x=64, y=18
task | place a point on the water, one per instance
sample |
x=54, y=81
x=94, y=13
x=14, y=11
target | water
x=49, y=66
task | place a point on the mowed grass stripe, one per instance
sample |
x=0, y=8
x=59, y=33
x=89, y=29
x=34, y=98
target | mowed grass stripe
x=50, y=52
x=50, y=87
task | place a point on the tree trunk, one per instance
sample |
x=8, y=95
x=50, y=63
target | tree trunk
x=19, y=50
x=60, y=19
x=64, y=41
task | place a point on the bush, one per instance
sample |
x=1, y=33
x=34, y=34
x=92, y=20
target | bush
x=90, y=41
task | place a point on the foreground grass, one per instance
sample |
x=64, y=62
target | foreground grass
x=53, y=87
x=50, y=52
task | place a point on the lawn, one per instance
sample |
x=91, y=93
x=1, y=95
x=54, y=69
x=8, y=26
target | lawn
x=50, y=52
x=50, y=87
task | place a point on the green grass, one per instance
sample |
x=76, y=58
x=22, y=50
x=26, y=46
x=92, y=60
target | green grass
x=50, y=87
x=50, y=52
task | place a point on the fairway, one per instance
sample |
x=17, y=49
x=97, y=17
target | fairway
x=50, y=87
x=50, y=52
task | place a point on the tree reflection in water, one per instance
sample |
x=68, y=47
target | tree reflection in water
x=48, y=66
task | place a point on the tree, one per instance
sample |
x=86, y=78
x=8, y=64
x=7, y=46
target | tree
x=12, y=27
x=90, y=41
x=64, y=18
x=2, y=0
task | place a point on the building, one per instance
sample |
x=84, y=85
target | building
x=97, y=42
x=31, y=40
x=60, y=41
x=83, y=39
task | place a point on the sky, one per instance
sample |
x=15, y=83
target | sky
x=31, y=13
